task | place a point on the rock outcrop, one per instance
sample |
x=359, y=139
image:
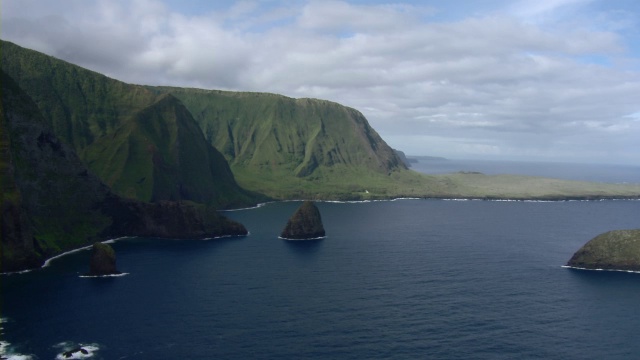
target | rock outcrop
x=103, y=260
x=613, y=250
x=305, y=224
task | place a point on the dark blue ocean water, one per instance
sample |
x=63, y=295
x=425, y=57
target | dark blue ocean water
x=427, y=279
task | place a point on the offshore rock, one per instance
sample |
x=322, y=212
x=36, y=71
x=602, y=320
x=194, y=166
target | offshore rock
x=613, y=250
x=304, y=224
x=103, y=260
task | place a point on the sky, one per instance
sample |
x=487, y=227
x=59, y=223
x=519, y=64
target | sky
x=544, y=80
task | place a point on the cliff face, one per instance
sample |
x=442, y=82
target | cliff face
x=296, y=142
x=51, y=202
x=300, y=135
x=613, y=250
x=142, y=144
x=305, y=223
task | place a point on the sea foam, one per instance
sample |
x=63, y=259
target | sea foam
x=614, y=270
x=315, y=238
x=6, y=352
x=67, y=346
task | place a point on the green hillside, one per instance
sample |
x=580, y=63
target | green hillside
x=51, y=203
x=144, y=145
x=288, y=147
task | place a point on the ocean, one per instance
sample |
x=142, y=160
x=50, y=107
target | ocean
x=403, y=279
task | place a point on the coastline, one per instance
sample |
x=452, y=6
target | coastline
x=48, y=261
x=316, y=238
x=611, y=270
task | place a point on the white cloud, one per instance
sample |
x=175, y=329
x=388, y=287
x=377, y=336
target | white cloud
x=495, y=83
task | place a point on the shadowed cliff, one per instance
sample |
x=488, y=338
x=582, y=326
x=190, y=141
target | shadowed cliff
x=51, y=203
x=143, y=145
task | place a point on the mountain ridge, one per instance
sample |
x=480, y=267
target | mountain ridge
x=121, y=131
x=51, y=203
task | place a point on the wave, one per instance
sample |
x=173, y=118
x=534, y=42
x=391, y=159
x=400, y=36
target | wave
x=70, y=350
x=49, y=260
x=537, y=201
x=6, y=351
x=224, y=236
x=103, y=276
x=614, y=270
x=316, y=238
x=259, y=205
x=110, y=241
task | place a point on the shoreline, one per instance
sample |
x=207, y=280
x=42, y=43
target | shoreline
x=599, y=269
x=48, y=261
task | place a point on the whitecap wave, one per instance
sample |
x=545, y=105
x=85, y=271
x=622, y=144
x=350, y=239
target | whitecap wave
x=103, y=276
x=614, y=270
x=110, y=241
x=316, y=238
x=248, y=208
x=49, y=260
x=6, y=352
x=70, y=350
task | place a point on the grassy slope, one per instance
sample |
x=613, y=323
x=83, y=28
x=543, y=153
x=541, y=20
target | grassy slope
x=288, y=148
x=143, y=144
x=271, y=140
x=51, y=202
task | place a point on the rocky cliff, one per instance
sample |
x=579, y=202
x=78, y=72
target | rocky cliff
x=103, y=260
x=142, y=144
x=613, y=250
x=305, y=223
x=52, y=203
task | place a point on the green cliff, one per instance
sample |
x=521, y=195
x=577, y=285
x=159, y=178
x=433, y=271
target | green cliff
x=613, y=250
x=143, y=145
x=161, y=143
x=51, y=203
x=288, y=147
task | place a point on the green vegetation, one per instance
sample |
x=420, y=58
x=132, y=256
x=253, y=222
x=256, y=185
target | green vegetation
x=51, y=203
x=159, y=143
x=143, y=145
x=613, y=250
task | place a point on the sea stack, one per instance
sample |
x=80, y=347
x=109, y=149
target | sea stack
x=304, y=224
x=613, y=250
x=103, y=260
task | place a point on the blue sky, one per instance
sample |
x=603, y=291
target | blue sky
x=550, y=80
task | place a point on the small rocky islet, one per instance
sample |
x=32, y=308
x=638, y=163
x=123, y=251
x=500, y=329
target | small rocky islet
x=612, y=250
x=103, y=260
x=304, y=224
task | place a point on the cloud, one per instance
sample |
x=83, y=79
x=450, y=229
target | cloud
x=493, y=83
